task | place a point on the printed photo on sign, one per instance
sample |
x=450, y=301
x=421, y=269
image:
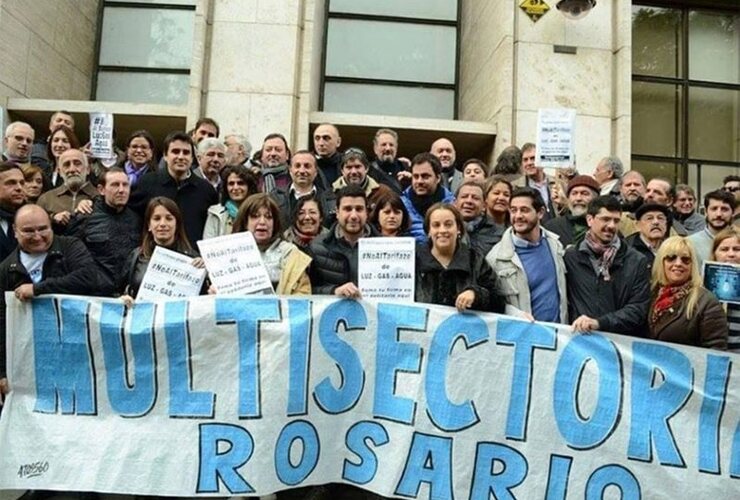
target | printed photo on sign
x=723, y=280
x=235, y=265
x=170, y=275
x=386, y=269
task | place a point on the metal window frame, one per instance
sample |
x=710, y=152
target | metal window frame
x=686, y=84
x=397, y=83
x=97, y=67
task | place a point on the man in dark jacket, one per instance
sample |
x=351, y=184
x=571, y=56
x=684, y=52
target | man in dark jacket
x=326, y=142
x=11, y=199
x=334, y=266
x=112, y=230
x=571, y=227
x=481, y=234
x=653, y=220
x=387, y=168
x=426, y=189
x=608, y=286
x=42, y=263
x=177, y=182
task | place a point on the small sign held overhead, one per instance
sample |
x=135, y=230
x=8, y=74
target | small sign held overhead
x=535, y=9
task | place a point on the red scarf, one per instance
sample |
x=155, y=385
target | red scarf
x=668, y=297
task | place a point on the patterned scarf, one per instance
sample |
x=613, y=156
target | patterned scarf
x=605, y=253
x=269, y=174
x=668, y=297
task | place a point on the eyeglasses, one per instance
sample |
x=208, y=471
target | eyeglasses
x=684, y=259
x=731, y=189
x=31, y=231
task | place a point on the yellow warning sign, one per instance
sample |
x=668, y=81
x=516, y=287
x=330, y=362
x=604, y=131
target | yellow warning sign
x=535, y=9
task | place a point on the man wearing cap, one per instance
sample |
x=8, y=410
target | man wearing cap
x=652, y=228
x=571, y=227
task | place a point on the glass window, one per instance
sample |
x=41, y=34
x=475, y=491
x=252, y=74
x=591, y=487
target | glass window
x=656, y=119
x=652, y=169
x=153, y=88
x=389, y=100
x=422, y=9
x=656, y=41
x=708, y=177
x=146, y=38
x=714, y=47
x=407, y=52
x=714, y=124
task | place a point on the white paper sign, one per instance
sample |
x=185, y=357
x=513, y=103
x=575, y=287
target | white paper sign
x=556, y=138
x=101, y=135
x=386, y=268
x=170, y=275
x=235, y=265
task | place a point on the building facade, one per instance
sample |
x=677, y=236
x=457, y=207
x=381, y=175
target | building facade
x=656, y=83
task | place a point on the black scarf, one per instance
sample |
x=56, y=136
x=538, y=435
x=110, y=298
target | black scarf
x=422, y=203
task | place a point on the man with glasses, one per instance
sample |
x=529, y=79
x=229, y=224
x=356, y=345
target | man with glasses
x=608, y=285
x=652, y=229
x=42, y=264
x=684, y=209
x=731, y=184
x=18, y=142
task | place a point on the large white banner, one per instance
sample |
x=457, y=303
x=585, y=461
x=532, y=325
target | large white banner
x=244, y=396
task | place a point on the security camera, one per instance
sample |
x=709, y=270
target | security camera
x=575, y=9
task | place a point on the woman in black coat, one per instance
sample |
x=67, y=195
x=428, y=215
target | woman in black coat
x=450, y=273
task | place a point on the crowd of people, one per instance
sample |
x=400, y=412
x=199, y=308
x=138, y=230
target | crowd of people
x=611, y=251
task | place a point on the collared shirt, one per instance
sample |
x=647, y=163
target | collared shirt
x=297, y=195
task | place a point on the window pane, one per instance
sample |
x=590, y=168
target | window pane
x=714, y=124
x=424, y=9
x=651, y=169
x=656, y=125
x=714, y=47
x=149, y=38
x=161, y=2
x=656, y=41
x=389, y=100
x=711, y=177
x=391, y=51
x=151, y=88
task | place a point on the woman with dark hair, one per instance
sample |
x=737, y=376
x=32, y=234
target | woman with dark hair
x=390, y=216
x=308, y=219
x=163, y=226
x=286, y=265
x=450, y=273
x=475, y=170
x=237, y=184
x=61, y=139
x=682, y=310
x=35, y=182
x=140, y=150
x=726, y=249
x=497, y=196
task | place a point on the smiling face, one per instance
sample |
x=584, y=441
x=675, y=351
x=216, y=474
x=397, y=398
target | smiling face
x=261, y=225
x=308, y=219
x=579, y=197
x=498, y=198
x=385, y=147
x=728, y=250
x=684, y=202
x=33, y=229
x=354, y=171
x=59, y=143
x=352, y=215
x=236, y=187
x=524, y=218
x=274, y=152
x=19, y=140
x=677, y=268
x=303, y=170
x=470, y=202
x=139, y=152
x=528, y=162
x=443, y=230
x=603, y=226
x=445, y=151
x=179, y=157
x=162, y=225
x=719, y=215
x=212, y=161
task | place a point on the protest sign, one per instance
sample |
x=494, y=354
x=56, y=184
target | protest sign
x=723, y=280
x=101, y=135
x=556, y=138
x=170, y=275
x=386, y=268
x=235, y=265
x=251, y=395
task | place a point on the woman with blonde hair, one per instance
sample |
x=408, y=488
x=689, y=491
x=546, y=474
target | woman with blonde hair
x=726, y=249
x=681, y=309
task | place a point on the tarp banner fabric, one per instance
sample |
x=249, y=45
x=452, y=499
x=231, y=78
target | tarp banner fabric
x=248, y=396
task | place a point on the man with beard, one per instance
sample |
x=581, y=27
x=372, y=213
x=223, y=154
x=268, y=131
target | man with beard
x=631, y=193
x=326, y=142
x=719, y=206
x=445, y=152
x=535, y=178
x=211, y=155
x=426, y=189
x=572, y=227
x=275, y=156
x=355, y=166
x=480, y=231
x=12, y=198
x=684, y=209
x=608, y=287
x=62, y=202
x=387, y=168
x=529, y=262
x=660, y=190
x=652, y=229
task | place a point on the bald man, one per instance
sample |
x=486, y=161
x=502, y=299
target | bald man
x=326, y=142
x=445, y=152
x=43, y=263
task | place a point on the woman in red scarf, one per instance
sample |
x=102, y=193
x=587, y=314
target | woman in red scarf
x=682, y=310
